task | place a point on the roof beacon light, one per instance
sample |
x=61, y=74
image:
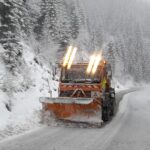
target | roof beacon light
x=96, y=63
x=91, y=63
x=67, y=56
x=72, y=58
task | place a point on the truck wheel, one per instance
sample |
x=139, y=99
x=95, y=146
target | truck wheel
x=105, y=114
x=112, y=110
x=113, y=106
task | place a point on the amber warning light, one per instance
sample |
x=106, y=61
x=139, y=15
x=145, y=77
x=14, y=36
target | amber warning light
x=69, y=57
x=93, y=63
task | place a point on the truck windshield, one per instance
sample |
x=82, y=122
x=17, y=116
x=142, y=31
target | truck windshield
x=78, y=74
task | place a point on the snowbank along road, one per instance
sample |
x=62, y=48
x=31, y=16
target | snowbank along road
x=128, y=130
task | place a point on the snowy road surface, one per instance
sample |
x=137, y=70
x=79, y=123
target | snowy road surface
x=128, y=130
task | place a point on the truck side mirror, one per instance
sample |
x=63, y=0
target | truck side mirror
x=109, y=74
x=109, y=71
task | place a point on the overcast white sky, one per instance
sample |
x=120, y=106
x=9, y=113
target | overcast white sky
x=147, y=0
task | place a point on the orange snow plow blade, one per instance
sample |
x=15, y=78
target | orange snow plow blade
x=65, y=107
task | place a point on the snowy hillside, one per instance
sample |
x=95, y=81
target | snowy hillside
x=20, y=110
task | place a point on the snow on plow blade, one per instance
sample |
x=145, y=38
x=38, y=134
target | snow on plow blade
x=66, y=100
x=81, y=109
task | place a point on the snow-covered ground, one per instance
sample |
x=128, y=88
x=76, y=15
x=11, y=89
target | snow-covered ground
x=135, y=127
x=25, y=110
x=126, y=83
x=129, y=129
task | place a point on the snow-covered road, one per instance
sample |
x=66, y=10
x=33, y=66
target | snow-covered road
x=128, y=130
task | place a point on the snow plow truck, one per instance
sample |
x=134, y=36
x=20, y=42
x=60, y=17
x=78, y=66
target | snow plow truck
x=85, y=92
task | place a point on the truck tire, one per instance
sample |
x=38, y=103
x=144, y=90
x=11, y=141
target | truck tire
x=105, y=114
x=113, y=101
x=112, y=111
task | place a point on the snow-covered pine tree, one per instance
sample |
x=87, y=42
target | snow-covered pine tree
x=110, y=54
x=39, y=24
x=63, y=22
x=138, y=52
x=10, y=29
x=26, y=21
x=74, y=21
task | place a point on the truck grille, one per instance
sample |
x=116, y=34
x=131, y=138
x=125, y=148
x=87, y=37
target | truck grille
x=69, y=93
